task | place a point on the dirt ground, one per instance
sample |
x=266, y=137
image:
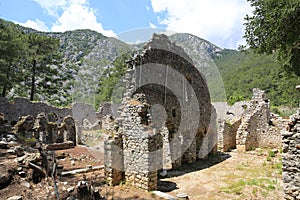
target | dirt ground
x=251, y=175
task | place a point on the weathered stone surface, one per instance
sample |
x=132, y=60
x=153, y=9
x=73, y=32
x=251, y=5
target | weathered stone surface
x=24, y=125
x=29, y=157
x=254, y=130
x=4, y=179
x=70, y=129
x=4, y=145
x=60, y=146
x=144, y=141
x=291, y=158
x=19, y=151
x=15, y=198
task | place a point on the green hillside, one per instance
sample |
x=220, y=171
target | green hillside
x=243, y=71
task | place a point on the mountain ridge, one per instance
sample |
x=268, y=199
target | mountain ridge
x=87, y=54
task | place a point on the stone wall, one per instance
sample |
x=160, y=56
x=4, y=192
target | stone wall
x=252, y=132
x=225, y=111
x=15, y=109
x=167, y=77
x=228, y=122
x=227, y=134
x=141, y=146
x=248, y=125
x=291, y=158
x=166, y=117
x=18, y=107
x=45, y=131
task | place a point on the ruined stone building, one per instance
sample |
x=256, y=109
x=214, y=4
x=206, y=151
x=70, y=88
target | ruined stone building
x=250, y=128
x=53, y=124
x=166, y=117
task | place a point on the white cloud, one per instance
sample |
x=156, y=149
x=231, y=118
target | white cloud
x=219, y=21
x=152, y=25
x=37, y=25
x=53, y=6
x=73, y=14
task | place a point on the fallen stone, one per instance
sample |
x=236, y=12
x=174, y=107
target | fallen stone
x=60, y=146
x=84, y=170
x=11, y=138
x=163, y=195
x=5, y=179
x=275, y=151
x=15, y=198
x=22, y=174
x=12, y=143
x=71, y=189
x=72, y=162
x=11, y=151
x=25, y=184
x=163, y=173
x=182, y=196
x=31, y=157
x=19, y=151
x=3, y=145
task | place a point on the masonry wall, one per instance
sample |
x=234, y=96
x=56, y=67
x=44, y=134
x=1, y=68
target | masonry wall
x=180, y=130
x=255, y=123
x=291, y=158
x=227, y=135
x=158, y=64
x=13, y=110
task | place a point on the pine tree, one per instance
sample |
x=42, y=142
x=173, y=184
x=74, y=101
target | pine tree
x=11, y=48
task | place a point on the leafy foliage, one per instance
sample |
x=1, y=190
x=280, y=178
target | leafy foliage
x=243, y=71
x=11, y=44
x=275, y=27
x=27, y=61
x=110, y=86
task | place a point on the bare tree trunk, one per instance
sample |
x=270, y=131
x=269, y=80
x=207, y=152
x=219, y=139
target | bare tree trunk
x=4, y=91
x=7, y=78
x=33, y=81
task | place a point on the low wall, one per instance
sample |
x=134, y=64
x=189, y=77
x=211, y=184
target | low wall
x=13, y=110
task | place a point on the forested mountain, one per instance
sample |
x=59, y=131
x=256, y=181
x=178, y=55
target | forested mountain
x=243, y=71
x=88, y=62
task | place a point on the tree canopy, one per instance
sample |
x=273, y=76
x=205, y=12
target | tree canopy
x=275, y=27
x=29, y=63
x=10, y=52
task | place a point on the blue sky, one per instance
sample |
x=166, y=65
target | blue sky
x=218, y=21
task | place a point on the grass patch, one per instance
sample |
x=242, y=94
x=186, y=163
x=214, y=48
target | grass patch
x=271, y=154
x=264, y=184
x=259, y=180
x=242, y=166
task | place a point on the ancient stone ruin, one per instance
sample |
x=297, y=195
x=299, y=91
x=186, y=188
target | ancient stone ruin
x=166, y=117
x=254, y=129
x=43, y=130
x=291, y=158
x=248, y=125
